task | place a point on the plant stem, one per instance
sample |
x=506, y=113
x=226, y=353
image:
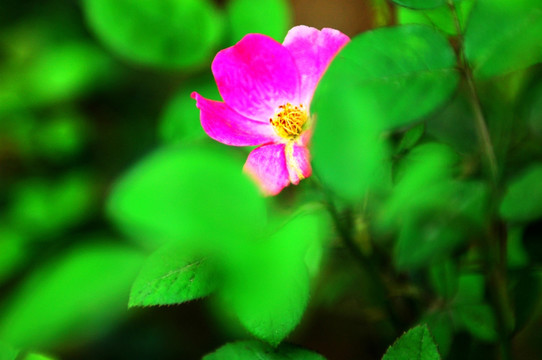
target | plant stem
x=495, y=242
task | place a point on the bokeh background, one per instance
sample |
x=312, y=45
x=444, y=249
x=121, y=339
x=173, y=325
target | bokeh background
x=87, y=89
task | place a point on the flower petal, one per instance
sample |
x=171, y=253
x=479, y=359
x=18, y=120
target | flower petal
x=267, y=164
x=223, y=124
x=313, y=51
x=255, y=76
x=298, y=162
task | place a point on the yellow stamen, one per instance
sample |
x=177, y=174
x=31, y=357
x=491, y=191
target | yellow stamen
x=288, y=122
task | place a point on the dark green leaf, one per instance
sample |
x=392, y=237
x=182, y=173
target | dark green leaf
x=503, y=36
x=416, y=344
x=251, y=350
x=441, y=326
x=269, y=17
x=191, y=194
x=478, y=319
x=411, y=137
x=420, y=4
x=527, y=297
x=444, y=279
x=169, y=33
x=171, y=276
x=396, y=67
x=523, y=198
x=75, y=296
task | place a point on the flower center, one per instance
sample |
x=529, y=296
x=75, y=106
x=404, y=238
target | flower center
x=289, y=120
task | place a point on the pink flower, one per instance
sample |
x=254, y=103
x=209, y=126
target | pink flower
x=267, y=89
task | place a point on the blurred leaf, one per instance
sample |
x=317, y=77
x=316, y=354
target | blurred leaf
x=420, y=4
x=12, y=252
x=470, y=288
x=416, y=344
x=453, y=125
x=444, y=277
x=411, y=137
x=168, y=33
x=180, y=120
x=395, y=67
x=40, y=206
x=442, y=328
x=267, y=282
x=478, y=319
x=349, y=155
x=61, y=137
x=523, y=198
x=527, y=294
x=439, y=17
x=249, y=350
x=7, y=352
x=269, y=17
x=516, y=253
x=423, y=183
x=36, y=356
x=503, y=36
x=65, y=72
x=194, y=194
x=534, y=115
x=73, y=297
x=171, y=276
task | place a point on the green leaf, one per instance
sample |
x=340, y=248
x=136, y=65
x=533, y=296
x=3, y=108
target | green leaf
x=444, y=279
x=411, y=137
x=171, y=276
x=420, y=4
x=250, y=350
x=416, y=344
x=75, y=296
x=348, y=155
x=396, y=67
x=198, y=195
x=523, y=198
x=267, y=281
x=503, y=36
x=478, y=319
x=7, y=352
x=441, y=326
x=269, y=17
x=180, y=121
x=168, y=33
x=39, y=205
x=36, y=356
x=439, y=17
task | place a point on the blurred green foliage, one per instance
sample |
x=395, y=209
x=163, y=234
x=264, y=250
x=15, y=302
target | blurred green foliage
x=114, y=202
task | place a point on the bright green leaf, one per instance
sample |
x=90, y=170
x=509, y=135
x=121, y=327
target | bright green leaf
x=168, y=33
x=416, y=344
x=7, y=352
x=171, y=276
x=191, y=194
x=73, y=297
x=503, y=36
x=250, y=350
x=349, y=156
x=395, y=67
x=267, y=280
x=523, y=198
x=420, y=4
x=411, y=137
x=269, y=17
x=36, y=356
